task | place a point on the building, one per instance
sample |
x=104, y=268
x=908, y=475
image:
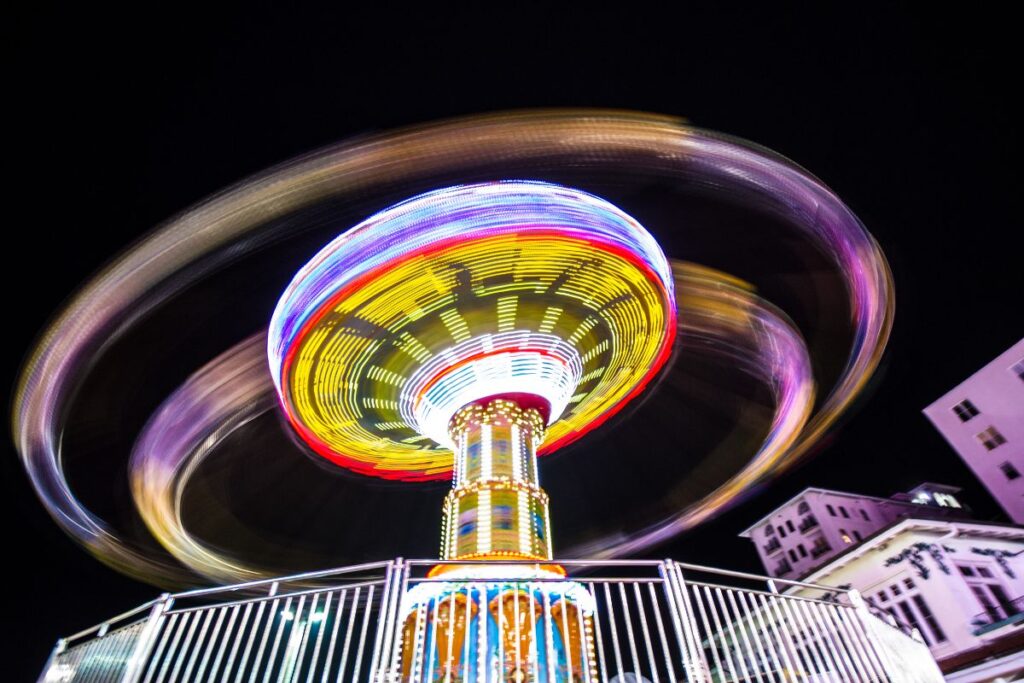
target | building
x=959, y=584
x=918, y=561
x=983, y=420
x=812, y=528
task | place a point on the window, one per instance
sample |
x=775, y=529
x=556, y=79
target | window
x=966, y=570
x=789, y=525
x=792, y=555
x=769, y=530
x=909, y=583
x=843, y=512
x=895, y=588
x=864, y=514
x=782, y=532
x=845, y=536
x=1010, y=471
x=831, y=510
x=929, y=618
x=882, y=596
x=985, y=572
x=991, y=438
x=802, y=549
x=1018, y=369
x=911, y=618
x=965, y=410
x=856, y=534
x=803, y=508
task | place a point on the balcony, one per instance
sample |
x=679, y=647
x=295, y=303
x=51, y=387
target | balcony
x=403, y=622
x=819, y=550
x=998, y=616
x=772, y=546
x=807, y=523
x=782, y=568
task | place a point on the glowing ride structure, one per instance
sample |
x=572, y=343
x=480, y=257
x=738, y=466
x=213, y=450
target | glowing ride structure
x=466, y=330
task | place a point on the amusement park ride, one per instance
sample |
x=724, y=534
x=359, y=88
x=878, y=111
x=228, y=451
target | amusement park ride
x=459, y=334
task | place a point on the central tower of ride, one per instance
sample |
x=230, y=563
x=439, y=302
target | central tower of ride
x=461, y=334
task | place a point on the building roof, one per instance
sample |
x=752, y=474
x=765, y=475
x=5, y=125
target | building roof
x=746, y=533
x=901, y=526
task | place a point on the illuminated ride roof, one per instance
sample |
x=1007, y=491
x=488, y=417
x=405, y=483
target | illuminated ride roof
x=462, y=293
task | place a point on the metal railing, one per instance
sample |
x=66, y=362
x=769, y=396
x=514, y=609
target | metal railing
x=999, y=615
x=424, y=620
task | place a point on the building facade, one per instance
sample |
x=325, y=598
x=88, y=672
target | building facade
x=983, y=420
x=959, y=584
x=818, y=524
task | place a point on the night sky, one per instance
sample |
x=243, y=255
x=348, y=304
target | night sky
x=117, y=122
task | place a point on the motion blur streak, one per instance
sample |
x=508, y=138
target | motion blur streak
x=226, y=227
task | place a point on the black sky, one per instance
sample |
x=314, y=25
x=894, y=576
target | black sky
x=117, y=122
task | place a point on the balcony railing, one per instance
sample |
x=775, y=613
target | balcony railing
x=807, y=523
x=819, y=550
x=611, y=621
x=998, y=616
x=772, y=545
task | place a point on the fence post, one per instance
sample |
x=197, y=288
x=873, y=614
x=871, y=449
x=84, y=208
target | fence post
x=58, y=648
x=697, y=667
x=144, y=644
x=388, y=626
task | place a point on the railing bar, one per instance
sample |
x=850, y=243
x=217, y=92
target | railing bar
x=638, y=599
x=854, y=652
x=432, y=616
x=518, y=635
x=839, y=615
x=562, y=604
x=416, y=647
x=614, y=630
x=811, y=645
x=238, y=642
x=362, y=632
x=353, y=610
x=586, y=650
x=451, y=629
x=745, y=575
x=665, y=648
x=378, y=640
x=759, y=592
x=300, y=657
x=481, y=671
x=287, y=625
x=323, y=573
x=129, y=643
x=469, y=624
x=279, y=631
x=549, y=637
x=666, y=571
x=779, y=642
x=760, y=636
x=741, y=627
x=124, y=615
x=222, y=613
x=806, y=655
x=542, y=579
x=819, y=639
x=499, y=618
x=186, y=645
x=878, y=660
x=736, y=647
x=268, y=598
x=339, y=615
x=321, y=630
x=263, y=641
x=708, y=630
x=403, y=580
x=841, y=654
x=627, y=617
x=699, y=666
x=224, y=641
x=532, y=631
